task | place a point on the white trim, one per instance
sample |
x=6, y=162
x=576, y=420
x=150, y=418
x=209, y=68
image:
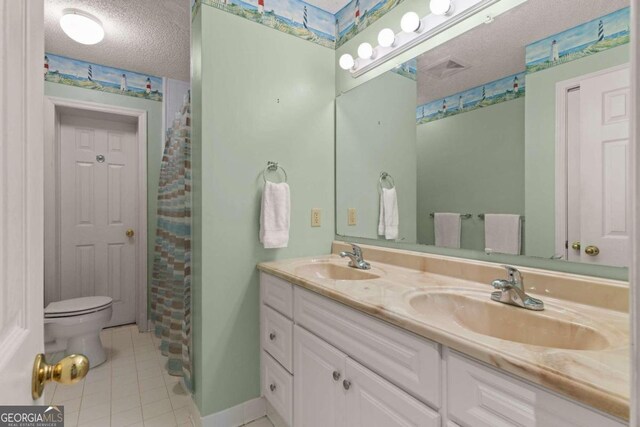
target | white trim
x=238, y=415
x=52, y=261
x=634, y=268
x=562, y=88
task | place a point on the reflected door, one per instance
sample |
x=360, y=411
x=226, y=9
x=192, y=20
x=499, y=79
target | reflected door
x=98, y=203
x=604, y=170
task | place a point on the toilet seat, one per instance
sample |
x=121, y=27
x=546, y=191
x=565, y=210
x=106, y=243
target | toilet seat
x=76, y=307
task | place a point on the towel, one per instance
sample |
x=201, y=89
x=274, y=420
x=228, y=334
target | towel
x=274, y=215
x=502, y=233
x=389, y=219
x=447, y=229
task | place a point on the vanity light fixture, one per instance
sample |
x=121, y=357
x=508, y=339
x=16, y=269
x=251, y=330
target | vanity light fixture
x=445, y=14
x=81, y=26
x=347, y=62
x=386, y=37
x=365, y=51
x=410, y=23
x=441, y=7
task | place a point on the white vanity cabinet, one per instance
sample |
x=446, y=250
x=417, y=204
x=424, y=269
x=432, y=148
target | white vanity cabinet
x=328, y=365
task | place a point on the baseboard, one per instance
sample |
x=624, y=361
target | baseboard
x=238, y=415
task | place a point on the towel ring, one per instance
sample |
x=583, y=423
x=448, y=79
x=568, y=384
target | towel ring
x=385, y=177
x=273, y=167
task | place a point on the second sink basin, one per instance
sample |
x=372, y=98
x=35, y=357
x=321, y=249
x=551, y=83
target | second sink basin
x=545, y=329
x=333, y=272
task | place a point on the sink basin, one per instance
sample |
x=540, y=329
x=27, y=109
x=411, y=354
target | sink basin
x=334, y=272
x=483, y=316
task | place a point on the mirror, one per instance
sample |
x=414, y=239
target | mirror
x=510, y=139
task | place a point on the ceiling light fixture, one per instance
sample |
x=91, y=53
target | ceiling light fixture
x=441, y=7
x=81, y=26
x=410, y=22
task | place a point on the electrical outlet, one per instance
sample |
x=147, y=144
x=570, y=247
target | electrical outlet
x=316, y=217
x=352, y=218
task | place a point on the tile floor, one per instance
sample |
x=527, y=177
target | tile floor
x=132, y=388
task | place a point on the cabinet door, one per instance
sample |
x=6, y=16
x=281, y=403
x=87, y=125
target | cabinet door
x=375, y=402
x=319, y=398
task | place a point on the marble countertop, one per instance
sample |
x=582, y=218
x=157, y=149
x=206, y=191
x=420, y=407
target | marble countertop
x=598, y=378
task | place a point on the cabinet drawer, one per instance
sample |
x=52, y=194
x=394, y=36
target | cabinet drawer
x=480, y=396
x=277, y=294
x=277, y=336
x=277, y=387
x=406, y=360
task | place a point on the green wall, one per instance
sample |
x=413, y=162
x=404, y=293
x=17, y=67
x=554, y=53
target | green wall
x=155, y=144
x=540, y=144
x=376, y=131
x=265, y=95
x=471, y=163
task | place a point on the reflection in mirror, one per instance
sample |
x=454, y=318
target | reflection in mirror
x=511, y=138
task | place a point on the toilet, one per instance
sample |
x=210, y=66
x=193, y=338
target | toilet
x=74, y=326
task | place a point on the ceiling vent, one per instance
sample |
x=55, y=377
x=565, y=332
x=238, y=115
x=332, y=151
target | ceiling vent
x=446, y=68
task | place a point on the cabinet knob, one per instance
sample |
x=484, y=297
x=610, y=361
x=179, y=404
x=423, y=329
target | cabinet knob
x=346, y=384
x=336, y=375
x=272, y=387
x=575, y=246
x=272, y=336
x=592, y=250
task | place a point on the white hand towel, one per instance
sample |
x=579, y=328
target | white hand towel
x=274, y=215
x=502, y=233
x=447, y=229
x=391, y=215
x=381, y=217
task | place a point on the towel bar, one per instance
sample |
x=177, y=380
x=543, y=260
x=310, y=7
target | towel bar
x=463, y=216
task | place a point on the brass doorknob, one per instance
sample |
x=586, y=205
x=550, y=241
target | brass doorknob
x=575, y=246
x=69, y=370
x=591, y=250
x=130, y=232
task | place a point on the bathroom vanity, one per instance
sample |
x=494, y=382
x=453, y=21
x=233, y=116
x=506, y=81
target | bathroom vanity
x=417, y=340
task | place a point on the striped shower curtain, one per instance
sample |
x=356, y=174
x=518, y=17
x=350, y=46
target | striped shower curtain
x=171, y=277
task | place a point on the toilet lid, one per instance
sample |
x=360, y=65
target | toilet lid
x=76, y=306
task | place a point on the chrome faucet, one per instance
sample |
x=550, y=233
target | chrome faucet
x=511, y=291
x=356, y=258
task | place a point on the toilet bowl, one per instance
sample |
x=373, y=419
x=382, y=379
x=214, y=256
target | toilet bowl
x=74, y=325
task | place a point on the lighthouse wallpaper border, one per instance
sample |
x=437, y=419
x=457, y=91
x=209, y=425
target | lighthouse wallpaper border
x=86, y=75
x=501, y=90
x=586, y=39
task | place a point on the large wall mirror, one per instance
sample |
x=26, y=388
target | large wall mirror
x=512, y=138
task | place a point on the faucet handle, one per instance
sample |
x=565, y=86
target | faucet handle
x=357, y=250
x=513, y=274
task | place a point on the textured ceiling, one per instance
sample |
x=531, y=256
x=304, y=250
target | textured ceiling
x=497, y=50
x=147, y=36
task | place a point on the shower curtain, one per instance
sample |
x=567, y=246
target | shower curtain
x=171, y=276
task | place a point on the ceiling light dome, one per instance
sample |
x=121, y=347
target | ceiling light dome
x=81, y=26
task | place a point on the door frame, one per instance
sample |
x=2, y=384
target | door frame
x=52, y=106
x=562, y=89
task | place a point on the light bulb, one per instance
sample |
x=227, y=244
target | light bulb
x=441, y=7
x=81, y=26
x=347, y=62
x=365, y=51
x=386, y=37
x=410, y=22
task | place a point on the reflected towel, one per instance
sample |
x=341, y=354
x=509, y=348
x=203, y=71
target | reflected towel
x=447, y=229
x=274, y=215
x=389, y=222
x=502, y=233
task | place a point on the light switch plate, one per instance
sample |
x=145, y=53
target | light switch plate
x=352, y=217
x=316, y=217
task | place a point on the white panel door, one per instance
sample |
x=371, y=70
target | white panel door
x=605, y=108
x=21, y=201
x=98, y=200
x=319, y=396
x=374, y=402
